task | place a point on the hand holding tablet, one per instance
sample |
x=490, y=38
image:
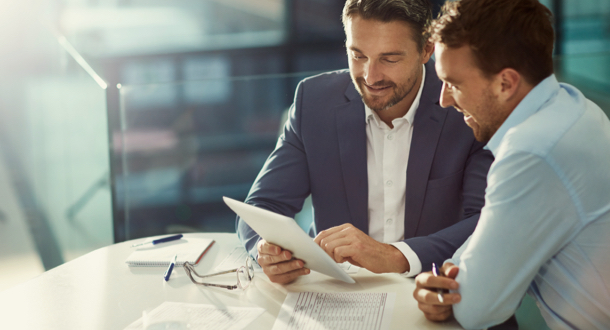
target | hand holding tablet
x=278, y=264
x=284, y=232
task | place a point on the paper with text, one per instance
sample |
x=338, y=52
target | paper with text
x=337, y=311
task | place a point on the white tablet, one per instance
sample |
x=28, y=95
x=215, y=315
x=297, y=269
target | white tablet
x=285, y=232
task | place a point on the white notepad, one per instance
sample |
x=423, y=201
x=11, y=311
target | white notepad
x=159, y=255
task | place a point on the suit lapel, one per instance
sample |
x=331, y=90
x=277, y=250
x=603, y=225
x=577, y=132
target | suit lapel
x=351, y=134
x=427, y=128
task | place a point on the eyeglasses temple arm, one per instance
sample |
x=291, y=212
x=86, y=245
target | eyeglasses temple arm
x=191, y=268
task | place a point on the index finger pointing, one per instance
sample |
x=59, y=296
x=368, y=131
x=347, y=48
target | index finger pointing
x=325, y=233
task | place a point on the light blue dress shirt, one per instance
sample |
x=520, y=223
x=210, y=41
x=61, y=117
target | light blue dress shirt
x=545, y=227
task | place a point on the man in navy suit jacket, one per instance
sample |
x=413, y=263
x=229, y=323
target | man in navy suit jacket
x=397, y=168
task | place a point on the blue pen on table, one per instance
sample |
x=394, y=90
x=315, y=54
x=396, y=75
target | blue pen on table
x=169, y=270
x=440, y=291
x=160, y=240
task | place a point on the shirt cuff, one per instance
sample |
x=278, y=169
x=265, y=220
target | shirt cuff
x=412, y=258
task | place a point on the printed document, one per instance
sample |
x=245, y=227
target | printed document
x=347, y=310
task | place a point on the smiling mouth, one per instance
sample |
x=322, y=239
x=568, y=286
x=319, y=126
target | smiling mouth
x=376, y=88
x=467, y=117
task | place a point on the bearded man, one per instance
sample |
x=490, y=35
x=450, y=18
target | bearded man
x=396, y=181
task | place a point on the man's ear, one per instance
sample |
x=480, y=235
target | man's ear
x=508, y=84
x=427, y=51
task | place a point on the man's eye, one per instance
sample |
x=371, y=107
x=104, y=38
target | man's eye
x=389, y=61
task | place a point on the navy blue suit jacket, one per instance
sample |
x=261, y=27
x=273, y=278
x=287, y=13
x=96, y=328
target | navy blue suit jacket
x=322, y=152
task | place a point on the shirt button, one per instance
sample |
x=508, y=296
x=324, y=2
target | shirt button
x=389, y=221
x=391, y=137
x=389, y=183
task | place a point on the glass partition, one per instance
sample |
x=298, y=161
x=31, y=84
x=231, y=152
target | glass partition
x=588, y=72
x=55, y=147
x=69, y=165
x=185, y=145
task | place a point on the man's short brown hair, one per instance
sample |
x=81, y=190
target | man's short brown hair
x=515, y=34
x=417, y=13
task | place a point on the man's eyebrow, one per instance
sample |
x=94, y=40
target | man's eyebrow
x=394, y=53
x=448, y=79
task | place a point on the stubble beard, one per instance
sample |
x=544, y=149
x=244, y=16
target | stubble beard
x=486, y=131
x=376, y=103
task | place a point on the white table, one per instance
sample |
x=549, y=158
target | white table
x=99, y=291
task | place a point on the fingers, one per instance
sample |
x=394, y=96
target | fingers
x=434, y=309
x=337, y=237
x=288, y=277
x=269, y=254
x=278, y=264
x=337, y=248
x=436, y=313
x=325, y=233
x=284, y=267
x=450, y=270
x=427, y=290
x=430, y=297
x=428, y=280
x=268, y=259
x=285, y=272
x=265, y=247
x=430, y=305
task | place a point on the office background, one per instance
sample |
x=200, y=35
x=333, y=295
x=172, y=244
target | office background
x=121, y=119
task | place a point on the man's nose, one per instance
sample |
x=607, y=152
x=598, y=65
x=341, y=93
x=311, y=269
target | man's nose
x=446, y=99
x=372, y=73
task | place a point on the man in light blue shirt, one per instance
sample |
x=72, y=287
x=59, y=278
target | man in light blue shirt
x=545, y=226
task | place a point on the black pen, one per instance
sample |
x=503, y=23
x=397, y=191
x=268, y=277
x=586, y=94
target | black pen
x=440, y=291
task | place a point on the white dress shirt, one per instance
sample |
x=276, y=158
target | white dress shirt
x=387, y=152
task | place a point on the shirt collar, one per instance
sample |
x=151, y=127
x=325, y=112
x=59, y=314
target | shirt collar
x=530, y=104
x=409, y=116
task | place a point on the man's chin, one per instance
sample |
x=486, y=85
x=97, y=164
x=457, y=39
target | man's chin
x=480, y=138
x=482, y=135
x=375, y=105
x=478, y=134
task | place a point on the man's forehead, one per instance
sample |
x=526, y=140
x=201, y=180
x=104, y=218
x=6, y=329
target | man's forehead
x=450, y=60
x=396, y=27
x=377, y=37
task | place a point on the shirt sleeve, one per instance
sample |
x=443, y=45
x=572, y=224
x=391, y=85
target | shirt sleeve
x=456, y=256
x=528, y=217
x=412, y=258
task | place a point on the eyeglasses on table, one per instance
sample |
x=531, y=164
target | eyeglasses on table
x=245, y=274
